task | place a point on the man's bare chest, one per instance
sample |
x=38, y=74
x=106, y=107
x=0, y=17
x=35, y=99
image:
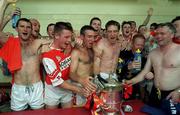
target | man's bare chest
x=168, y=60
x=29, y=54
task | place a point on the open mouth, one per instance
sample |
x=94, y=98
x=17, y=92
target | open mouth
x=36, y=31
x=67, y=43
x=127, y=32
x=25, y=34
x=112, y=38
x=91, y=43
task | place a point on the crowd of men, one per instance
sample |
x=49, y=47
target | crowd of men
x=56, y=70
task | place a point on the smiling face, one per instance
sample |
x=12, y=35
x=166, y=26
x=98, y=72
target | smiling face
x=63, y=38
x=24, y=30
x=35, y=28
x=163, y=35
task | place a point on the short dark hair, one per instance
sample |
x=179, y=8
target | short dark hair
x=141, y=27
x=126, y=22
x=51, y=24
x=86, y=27
x=112, y=22
x=155, y=25
x=175, y=19
x=132, y=22
x=94, y=18
x=23, y=19
x=137, y=36
x=169, y=25
x=59, y=26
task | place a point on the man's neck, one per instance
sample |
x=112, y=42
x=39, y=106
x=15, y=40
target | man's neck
x=25, y=43
x=53, y=45
x=127, y=38
x=166, y=47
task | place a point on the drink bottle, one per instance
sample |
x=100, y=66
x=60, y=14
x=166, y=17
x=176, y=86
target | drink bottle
x=15, y=18
x=137, y=58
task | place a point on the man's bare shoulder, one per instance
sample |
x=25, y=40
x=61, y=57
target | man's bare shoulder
x=101, y=43
x=77, y=49
x=154, y=52
x=42, y=45
x=75, y=54
x=42, y=41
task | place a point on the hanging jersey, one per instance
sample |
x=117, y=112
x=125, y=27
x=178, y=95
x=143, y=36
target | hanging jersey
x=57, y=66
x=11, y=53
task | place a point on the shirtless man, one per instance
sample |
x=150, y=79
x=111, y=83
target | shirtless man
x=165, y=61
x=107, y=51
x=82, y=62
x=27, y=88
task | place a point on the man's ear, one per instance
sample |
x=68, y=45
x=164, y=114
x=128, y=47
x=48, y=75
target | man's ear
x=56, y=35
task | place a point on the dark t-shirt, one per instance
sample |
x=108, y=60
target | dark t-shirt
x=122, y=71
x=122, y=68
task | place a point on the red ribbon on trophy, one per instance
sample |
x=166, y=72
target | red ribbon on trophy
x=127, y=91
x=93, y=102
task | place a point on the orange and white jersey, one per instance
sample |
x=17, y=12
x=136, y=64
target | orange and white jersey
x=57, y=66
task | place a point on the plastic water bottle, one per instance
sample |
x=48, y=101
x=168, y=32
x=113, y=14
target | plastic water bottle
x=15, y=18
x=137, y=58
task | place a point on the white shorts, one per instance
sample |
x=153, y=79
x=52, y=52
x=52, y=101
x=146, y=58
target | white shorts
x=22, y=96
x=106, y=75
x=56, y=95
x=80, y=100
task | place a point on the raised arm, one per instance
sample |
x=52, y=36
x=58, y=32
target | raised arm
x=7, y=18
x=3, y=5
x=146, y=21
x=4, y=20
